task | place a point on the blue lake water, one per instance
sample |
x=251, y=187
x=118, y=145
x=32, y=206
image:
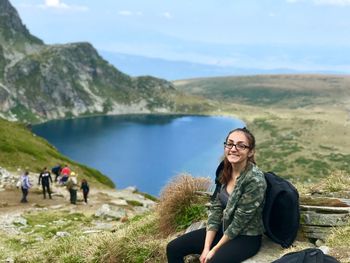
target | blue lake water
x=142, y=150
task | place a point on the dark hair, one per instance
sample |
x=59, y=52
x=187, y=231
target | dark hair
x=227, y=171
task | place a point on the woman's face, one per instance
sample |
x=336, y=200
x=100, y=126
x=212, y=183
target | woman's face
x=236, y=148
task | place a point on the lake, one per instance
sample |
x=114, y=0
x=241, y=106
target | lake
x=142, y=150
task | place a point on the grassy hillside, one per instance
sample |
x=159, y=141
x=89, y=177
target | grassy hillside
x=289, y=91
x=301, y=122
x=21, y=149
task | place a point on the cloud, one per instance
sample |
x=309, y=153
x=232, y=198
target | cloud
x=57, y=4
x=129, y=13
x=125, y=13
x=323, y=2
x=167, y=15
x=332, y=2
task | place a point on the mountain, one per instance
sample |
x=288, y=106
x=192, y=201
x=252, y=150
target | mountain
x=40, y=82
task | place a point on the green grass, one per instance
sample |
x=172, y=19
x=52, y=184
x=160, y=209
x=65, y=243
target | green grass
x=21, y=149
x=189, y=215
x=136, y=241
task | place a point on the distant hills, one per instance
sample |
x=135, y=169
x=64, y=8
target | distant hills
x=287, y=91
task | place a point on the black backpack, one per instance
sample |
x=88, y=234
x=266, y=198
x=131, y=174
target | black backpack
x=309, y=255
x=281, y=214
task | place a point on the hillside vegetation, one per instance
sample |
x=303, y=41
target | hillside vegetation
x=21, y=149
x=301, y=122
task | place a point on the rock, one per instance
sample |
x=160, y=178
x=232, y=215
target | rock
x=93, y=231
x=195, y=226
x=131, y=189
x=56, y=206
x=107, y=212
x=319, y=242
x=120, y=202
x=62, y=234
x=317, y=222
x=39, y=239
x=325, y=249
x=20, y=220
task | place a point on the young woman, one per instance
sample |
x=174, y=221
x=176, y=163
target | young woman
x=235, y=226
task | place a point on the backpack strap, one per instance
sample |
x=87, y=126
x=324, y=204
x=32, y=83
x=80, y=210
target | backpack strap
x=217, y=180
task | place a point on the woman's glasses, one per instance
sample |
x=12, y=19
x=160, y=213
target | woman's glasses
x=238, y=146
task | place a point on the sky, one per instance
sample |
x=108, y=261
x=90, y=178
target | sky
x=305, y=35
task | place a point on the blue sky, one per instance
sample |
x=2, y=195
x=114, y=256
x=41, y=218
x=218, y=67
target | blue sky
x=297, y=34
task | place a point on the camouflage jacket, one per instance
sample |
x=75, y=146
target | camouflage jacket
x=243, y=213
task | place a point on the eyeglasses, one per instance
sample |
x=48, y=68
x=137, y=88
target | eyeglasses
x=238, y=146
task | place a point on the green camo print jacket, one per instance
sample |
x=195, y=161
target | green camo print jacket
x=243, y=213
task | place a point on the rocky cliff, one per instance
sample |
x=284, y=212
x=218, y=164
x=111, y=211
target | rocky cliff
x=39, y=82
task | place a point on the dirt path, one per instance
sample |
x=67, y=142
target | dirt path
x=10, y=201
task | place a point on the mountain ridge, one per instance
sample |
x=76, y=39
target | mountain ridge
x=40, y=82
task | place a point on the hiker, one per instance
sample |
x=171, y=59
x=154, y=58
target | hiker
x=25, y=185
x=235, y=227
x=56, y=170
x=85, y=187
x=65, y=173
x=44, y=180
x=72, y=187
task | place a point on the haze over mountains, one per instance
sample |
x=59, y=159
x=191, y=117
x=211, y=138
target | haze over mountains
x=176, y=70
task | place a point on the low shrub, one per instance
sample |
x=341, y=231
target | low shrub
x=180, y=204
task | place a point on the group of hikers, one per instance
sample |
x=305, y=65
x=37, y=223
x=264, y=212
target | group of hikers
x=63, y=177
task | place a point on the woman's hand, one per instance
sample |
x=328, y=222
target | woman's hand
x=204, y=255
x=209, y=255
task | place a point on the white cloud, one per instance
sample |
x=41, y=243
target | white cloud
x=129, y=13
x=125, y=13
x=57, y=4
x=332, y=2
x=323, y=2
x=167, y=15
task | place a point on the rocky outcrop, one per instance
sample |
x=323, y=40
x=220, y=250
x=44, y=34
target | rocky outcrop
x=322, y=215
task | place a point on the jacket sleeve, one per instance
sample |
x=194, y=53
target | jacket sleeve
x=251, y=200
x=214, y=215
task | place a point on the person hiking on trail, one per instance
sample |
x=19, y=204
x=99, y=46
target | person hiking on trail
x=56, y=171
x=85, y=187
x=235, y=226
x=44, y=180
x=25, y=185
x=72, y=187
x=65, y=173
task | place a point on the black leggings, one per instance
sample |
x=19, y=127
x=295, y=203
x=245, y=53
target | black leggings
x=234, y=251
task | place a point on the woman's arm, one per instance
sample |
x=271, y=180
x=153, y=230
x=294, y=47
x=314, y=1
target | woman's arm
x=214, y=215
x=212, y=251
x=209, y=238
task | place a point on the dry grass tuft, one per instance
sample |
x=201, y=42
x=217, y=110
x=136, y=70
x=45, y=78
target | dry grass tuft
x=339, y=241
x=178, y=196
x=336, y=182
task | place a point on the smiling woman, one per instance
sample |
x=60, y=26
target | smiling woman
x=235, y=225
